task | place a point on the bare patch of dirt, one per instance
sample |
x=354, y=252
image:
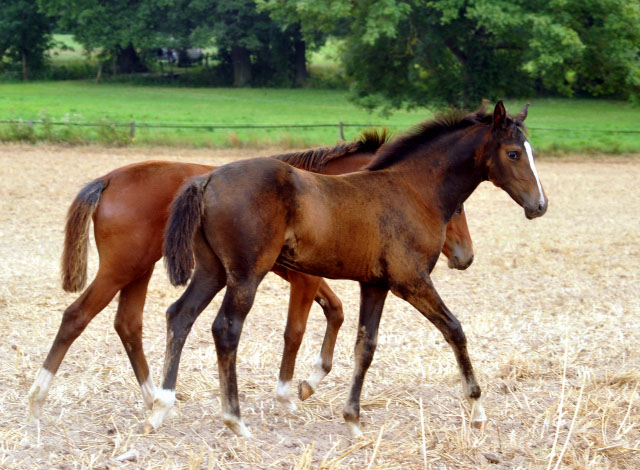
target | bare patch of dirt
x=551, y=308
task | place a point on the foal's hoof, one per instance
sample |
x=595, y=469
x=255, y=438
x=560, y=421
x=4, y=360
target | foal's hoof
x=236, y=425
x=479, y=424
x=35, y=409
x=147, y=427
x=305, y=390
x=287, y=403
x=354, y=430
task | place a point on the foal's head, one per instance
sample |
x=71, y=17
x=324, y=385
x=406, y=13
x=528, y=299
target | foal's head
x=510, y=164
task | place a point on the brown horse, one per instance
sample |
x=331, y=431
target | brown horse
x=383, y=227
x=129, y=208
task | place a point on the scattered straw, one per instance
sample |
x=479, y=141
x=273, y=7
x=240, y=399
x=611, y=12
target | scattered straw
x=550, y=308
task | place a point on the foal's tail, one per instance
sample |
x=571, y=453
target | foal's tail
x=76, y=235
x=184, y=219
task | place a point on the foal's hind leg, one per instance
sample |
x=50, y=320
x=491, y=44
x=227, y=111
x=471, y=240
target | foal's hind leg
x=302, y=292
x=181, y=315
x=226, y=330
x=332, y=307
x=428, y=302
x=128, y=324
x=372, y=299
x=74, y=320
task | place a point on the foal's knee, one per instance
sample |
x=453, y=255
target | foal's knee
x=293, y=337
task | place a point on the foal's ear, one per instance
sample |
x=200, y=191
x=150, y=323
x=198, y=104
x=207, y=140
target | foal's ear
x=522, y=115
x=499, y=114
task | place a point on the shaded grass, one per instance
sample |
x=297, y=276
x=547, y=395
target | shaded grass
x=557, y=125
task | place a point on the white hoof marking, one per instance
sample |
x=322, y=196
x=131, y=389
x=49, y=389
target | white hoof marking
x=38, y=393
x=148, y=390
x=354, y=430
x=236, y=425
x=162, y=404
x=283, y=395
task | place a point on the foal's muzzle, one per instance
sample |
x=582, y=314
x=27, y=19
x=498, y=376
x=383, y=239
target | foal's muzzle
x=536, y=210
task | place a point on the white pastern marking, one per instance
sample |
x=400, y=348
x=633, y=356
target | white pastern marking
x=527, y=147
x=148, y=390
x=354, y=429
x=283, y=395
x=477, y=412
x=317, y=374
x=163, y=402
x=236, y=425
x=38, y=393
x=40, y=387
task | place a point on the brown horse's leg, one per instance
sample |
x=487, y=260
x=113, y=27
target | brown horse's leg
x=226, y=330
x=332, y=307
x=181, y=315
x=428, y=302
x=302, y=292
x=372, y=299
x=74, y=320
x=128, y=324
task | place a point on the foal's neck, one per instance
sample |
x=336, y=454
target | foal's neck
x=449, y=170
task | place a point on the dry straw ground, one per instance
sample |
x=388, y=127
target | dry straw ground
x=550, y=308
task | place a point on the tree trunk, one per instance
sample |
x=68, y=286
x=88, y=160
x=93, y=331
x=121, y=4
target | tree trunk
x=25, y=71
x=99, y=74
x=128, y=60
x=301, y=62
x=241, y=66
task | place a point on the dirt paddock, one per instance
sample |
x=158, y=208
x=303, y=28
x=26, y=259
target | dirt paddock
x=551, y=309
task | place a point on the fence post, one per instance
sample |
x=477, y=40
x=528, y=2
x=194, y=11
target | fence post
x=341, y=130
x=132, y=130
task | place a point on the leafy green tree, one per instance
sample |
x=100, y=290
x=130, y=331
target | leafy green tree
x=118, y=28
x=257, y=49
x=417, y=52
x=25, y=34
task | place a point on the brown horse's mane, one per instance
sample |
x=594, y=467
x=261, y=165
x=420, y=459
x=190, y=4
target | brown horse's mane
x=427, y=132
x=317, y=159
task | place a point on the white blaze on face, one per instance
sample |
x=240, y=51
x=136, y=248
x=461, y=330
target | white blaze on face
x=527, y=147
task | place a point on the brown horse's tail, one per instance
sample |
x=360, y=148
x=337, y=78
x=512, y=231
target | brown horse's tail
x=184, y=219
x=76, y=235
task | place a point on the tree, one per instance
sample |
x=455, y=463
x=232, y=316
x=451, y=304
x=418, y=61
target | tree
x=118, y=28
x=258, y=49
x=25, y=34
x=417, y=52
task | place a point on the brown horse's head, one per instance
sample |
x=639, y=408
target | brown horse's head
x=458, y=246
x=510, y=162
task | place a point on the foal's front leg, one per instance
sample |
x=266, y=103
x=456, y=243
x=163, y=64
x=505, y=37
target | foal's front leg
x=372, y=299
x=428, y=302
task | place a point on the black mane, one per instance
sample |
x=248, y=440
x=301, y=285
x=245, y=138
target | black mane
x=426, y=133
x=317, y=159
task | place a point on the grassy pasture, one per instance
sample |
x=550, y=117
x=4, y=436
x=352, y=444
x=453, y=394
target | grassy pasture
x=550, y=307
x=558, y=125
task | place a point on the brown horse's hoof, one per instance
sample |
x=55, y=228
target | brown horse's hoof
x=305, y=390
x=147, y=427
x=478, y=424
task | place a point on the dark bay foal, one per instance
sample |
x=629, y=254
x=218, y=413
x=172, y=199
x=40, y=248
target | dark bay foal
x=383, y=227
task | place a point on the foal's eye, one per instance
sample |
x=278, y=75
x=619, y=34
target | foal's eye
x=513, y=155
x=459, y=210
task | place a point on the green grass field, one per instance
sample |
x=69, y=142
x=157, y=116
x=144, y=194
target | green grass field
x=557, y=125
